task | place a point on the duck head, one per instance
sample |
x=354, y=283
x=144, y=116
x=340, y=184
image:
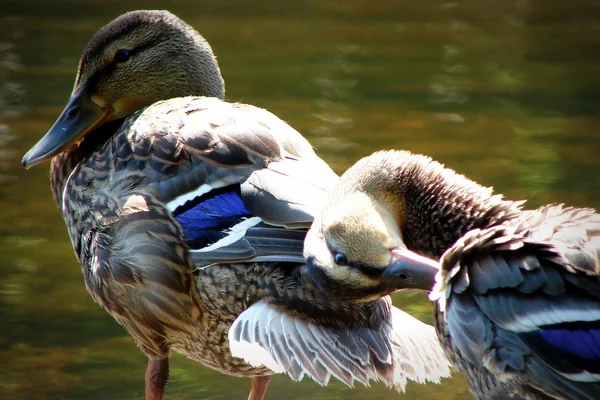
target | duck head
x=355, y=249
x=136, y=60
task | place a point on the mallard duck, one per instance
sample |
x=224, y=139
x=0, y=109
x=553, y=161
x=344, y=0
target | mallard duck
x=188, y=215
x=517, y=295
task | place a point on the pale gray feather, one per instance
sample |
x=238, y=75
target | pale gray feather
x=404, y=348
x=289, y=192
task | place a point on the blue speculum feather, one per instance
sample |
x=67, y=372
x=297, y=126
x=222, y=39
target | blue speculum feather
x=205, y=218
x=582, y=343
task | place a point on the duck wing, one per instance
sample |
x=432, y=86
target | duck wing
x=243, y=184
x=524, y=298
x=401, y=348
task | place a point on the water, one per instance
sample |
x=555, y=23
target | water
x=505, y=92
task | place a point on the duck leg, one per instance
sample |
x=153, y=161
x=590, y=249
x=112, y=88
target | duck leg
x=157, y=376
x=259, y=387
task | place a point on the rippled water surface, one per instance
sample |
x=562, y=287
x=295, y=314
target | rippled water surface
x=506, y=92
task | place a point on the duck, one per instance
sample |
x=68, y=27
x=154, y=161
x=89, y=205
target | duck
x=187, y=215
x=516, y=292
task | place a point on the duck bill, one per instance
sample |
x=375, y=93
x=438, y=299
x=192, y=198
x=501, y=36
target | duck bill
x=80, y=116
x=408, y=270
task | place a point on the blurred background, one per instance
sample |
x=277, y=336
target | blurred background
x=506, y=92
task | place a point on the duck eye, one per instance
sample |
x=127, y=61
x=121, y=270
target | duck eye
x=121, y=56
x=404, y=276
x=340, y=259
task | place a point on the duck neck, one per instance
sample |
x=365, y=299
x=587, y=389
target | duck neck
x=65, y=163
x=441, y=206
x=434, y=205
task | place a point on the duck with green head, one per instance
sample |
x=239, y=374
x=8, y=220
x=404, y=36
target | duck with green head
x=188, y=215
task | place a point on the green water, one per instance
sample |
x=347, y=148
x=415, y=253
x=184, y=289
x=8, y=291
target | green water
x=507, y=93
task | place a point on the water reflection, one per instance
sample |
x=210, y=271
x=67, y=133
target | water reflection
x=336, y=86
x=505, y=92
x=11, y=94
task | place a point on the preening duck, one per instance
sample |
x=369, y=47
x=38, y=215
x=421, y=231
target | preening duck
x=517, y=294
x=188, y=215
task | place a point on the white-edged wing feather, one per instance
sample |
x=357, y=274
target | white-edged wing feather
x=404, y=348
x=289, y=192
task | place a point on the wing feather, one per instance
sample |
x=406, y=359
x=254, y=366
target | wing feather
x=534, y=286
x=200, y=146
x=404, y=348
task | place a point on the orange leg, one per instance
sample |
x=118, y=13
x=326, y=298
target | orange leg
x=157, y=376
x=259, y=387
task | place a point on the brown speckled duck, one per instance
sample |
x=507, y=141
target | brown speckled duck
x=517, y=295
x=188, y=215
